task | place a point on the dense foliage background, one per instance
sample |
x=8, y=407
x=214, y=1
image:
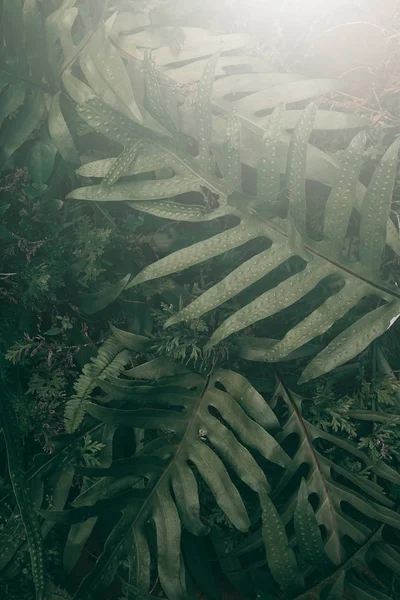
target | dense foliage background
x=138, y=458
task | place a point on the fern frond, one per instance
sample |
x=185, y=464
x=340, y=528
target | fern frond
x=110, y=361
x=288, y=237
x=180, y=407
x=364, y=495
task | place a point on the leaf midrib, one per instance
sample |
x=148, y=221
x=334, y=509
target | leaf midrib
x=166, y=471
x=315, y=460
x=212, y=186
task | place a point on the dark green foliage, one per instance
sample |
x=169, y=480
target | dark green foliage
x=163, y=181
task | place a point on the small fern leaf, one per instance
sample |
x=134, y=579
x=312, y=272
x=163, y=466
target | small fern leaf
x=296, y=168
x=12, y=536
x=352, y=341
x=53, y=592
x=376, y=208
x=308, y=535
x=110, y=360
x=280, y=556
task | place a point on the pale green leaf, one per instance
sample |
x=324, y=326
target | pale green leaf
x=280, y=556
x=154, y=100
x=319, y=321
x=341, y=199
x=239, y=279
x=203, y=116
x=199, y=252
x=352, y=341
x=138, y=190
x=288, y=93
x=376, y=208
x=121, y=164
x=16, y=131
x=111, y=66
x=308, y=535
x=60, y=133
x=40, y=162
x=11, y=99
x=92, y=303
x=296, y=168
x=268, y=168
x=283, y=295
x=167, y=209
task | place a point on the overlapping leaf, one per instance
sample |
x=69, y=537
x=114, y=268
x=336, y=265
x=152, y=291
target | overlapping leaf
x=363, y=494
x=207, y=423
x=359, y=278
x=321, y=528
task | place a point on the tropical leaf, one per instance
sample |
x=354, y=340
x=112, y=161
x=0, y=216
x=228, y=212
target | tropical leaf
x=288, y=237
x=111, y=359
x=363, y=494
x=321, y=529
x=179, y=406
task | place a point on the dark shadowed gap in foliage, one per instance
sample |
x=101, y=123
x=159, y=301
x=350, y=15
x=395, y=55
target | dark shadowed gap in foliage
x=324, y=532
x=215, y=269
x=355, y=514
x=282, y=498
x=314, y=500
x=123, y=442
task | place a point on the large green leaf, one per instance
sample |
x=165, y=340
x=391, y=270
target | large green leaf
x=288, y=237
x=321, y=479
x=211, y=441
